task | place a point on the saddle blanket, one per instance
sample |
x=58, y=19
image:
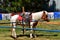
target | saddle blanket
x=20, y=18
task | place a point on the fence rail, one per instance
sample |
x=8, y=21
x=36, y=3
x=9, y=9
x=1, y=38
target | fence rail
x=36, y=29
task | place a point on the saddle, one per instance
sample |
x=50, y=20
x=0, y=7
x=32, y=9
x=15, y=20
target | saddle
x=20, y=18
x=25, y=19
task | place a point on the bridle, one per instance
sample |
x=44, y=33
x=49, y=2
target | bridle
x=44, y=16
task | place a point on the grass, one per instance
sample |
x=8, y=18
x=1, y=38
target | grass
x=6, y=33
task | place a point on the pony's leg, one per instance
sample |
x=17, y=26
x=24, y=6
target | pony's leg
x=34, y=35
x=13, y=30
x=34, y=26
x=31, y=31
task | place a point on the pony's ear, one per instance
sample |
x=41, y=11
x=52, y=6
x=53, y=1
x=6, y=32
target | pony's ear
x=43, y=11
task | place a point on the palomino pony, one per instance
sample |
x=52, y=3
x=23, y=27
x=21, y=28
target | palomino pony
x=33, y=20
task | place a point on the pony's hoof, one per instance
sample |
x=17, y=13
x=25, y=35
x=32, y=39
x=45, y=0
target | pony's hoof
x=34, y=36
x=31, y=36
x=14, y=37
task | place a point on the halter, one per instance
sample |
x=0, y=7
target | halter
x=44, y=16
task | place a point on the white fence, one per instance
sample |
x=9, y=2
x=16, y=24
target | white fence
x=51, y=15
x=5, y=16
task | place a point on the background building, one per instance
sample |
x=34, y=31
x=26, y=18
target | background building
x=55, y=4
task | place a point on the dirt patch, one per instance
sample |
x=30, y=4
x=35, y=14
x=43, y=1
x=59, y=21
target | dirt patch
x=58, y=23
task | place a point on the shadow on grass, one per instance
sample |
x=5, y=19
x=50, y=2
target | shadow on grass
x=36, y=35
x=27, y=35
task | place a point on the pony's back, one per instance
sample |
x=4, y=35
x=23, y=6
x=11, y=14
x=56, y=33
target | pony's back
x=37, y=15
x=14, y=18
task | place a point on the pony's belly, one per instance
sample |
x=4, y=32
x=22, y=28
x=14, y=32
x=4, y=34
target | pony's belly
x=36, y=18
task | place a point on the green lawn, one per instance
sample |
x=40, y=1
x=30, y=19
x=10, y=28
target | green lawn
x=5, y=33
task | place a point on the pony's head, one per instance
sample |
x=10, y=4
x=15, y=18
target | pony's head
x=45, y=16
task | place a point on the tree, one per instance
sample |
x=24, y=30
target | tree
x=29, y=5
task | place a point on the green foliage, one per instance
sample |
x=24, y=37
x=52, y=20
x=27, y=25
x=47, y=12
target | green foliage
x=30, y=5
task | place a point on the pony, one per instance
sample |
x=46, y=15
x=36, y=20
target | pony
x=32, y=22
